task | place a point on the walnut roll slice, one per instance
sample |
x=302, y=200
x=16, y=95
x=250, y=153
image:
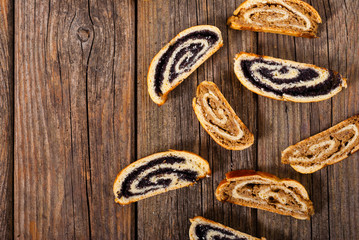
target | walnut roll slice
x=267, y=192
x=289, y=17
x=219, y=119
x=325, y=148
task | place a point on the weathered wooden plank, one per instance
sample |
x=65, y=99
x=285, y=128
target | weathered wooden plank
x=6, y=119
x=172, y=125
x=111, y=112
x=72, y=89
x=75, y=120
x=279, y=125
x=316, y=52
x=219, y=69
x=320, y=53
x=343, y=180
x=51, y=160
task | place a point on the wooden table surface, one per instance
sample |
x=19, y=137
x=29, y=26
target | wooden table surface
x=74, y=110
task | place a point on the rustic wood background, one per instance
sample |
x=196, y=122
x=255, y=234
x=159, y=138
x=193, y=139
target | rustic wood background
x=74, y=110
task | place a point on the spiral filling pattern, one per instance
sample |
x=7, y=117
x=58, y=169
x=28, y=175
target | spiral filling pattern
x=285, y=79
x=262, y=192
x=278, y=13
x=326, y=150
x=219, y=118
x=181, y=56
x=157, y=174
x=208, y=232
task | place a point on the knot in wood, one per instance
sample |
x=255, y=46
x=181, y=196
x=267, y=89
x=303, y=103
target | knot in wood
x=83, y=34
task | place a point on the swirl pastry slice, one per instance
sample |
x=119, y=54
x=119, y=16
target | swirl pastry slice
x=287, y=80
x=159, y=173
x=265, y=191
x=179, y=58
x=204, y=229
x=325, y=148
x=219, y=119
x=289, y=17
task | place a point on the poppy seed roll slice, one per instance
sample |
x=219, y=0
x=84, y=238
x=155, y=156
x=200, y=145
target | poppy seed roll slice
x=179, y=58
x=287, y=80
x=205, y=229
x=159, y=173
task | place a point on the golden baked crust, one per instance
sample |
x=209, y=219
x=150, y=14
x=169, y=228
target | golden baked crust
x=293, y=190
x=244, y=142
x=325, y=148
x=202, y=220
x=124, y=172
x=259, y=91
x=151, y=70
x=298, y=5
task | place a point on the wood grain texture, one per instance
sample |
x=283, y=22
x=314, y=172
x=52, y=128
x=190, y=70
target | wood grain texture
x=343, y=180
x=171, y=126
x=51, y=161
x=219, y=69
x=279, y=125
x=70, y=93
x=6, y=119
x=111, y=104
x=276, y=124
x=82, y=113
x=319, y=120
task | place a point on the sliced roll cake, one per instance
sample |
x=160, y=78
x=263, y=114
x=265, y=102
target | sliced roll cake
x=265, y=191
x=179, y=58
x=219, y=119
x=159, y=173
x=325, y=148
x=289, y=17
x=204, y=229
x=287, y=80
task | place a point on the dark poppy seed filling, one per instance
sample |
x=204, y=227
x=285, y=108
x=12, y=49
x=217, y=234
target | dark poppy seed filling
x=145, y=182
x=305, y=75
x=195, y=51
x=202, y=230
